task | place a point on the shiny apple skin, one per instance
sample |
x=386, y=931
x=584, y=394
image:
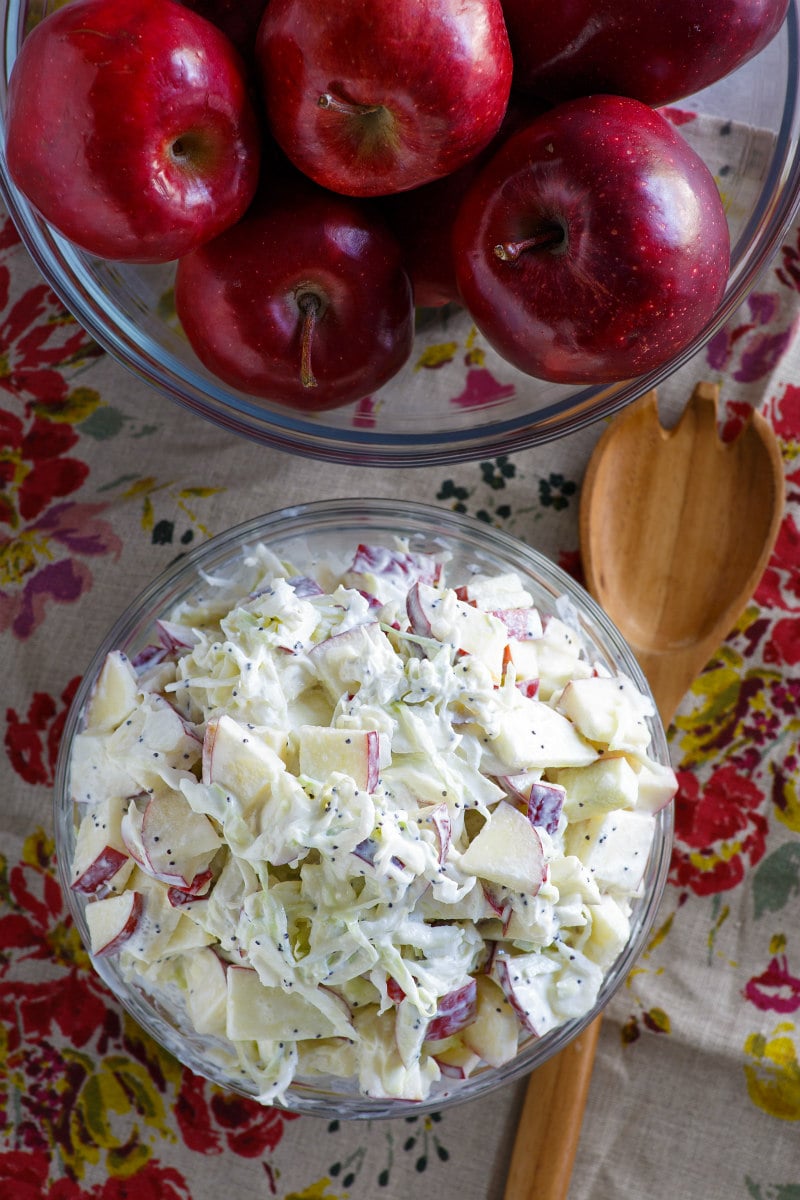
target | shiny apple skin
x=440, y=71
x=237, y=299
x=641, y=249
x=657, y=51
x=101, y=93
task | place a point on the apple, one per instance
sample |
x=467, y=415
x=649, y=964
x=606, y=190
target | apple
x=114, y=694
x=359, y=753
x=130, y=128
x=370, y=98
x=113, y=921
x=534, y=735
x=507, y=851
x=614, y=847
x=594, y=244
x=101, y=861
x=304, y=301
x=656, y=52
x=494, y=1033
x=454, y=1011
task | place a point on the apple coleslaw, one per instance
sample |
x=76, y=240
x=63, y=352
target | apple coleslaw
x=370, y=824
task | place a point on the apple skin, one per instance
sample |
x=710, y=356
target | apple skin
x=658, y=51
x=636, y=250
x=239, y=299
x=435, y=78
x=130, y=128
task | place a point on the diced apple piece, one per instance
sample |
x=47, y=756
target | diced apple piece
x=178, y=843
x=453, y=1012
x=158, y=921
x=257, y=1012
x=101, y=857
x=614, y=848
x=187, y=936
x=359, y=753
x=535, y=735
x=508, y=851
x=327, y=1056
x=610, y=932
x=206, y=991
x=114, y=695
x=94, y=777
x=113, y=921
x=440, y=615
x=457, y=1060
x=344, y=661
x=526, y=980
x=236, y=759
x=602, y=786
x=608, y=711
x=657, y=786
x=494, y=1033
x=522, y=624
x=502, y=591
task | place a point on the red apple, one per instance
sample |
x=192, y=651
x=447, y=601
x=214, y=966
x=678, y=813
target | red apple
x=658, y=51
x=594, y=245
x=369, y=98
x=305, y=301
x=130, y=128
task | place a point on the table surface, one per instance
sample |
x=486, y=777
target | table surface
x=696, y=1091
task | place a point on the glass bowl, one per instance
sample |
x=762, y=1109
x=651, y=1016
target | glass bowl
x=456, y=400
x=308, y=535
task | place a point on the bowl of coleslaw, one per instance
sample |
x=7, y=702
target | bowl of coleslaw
x=357, y=808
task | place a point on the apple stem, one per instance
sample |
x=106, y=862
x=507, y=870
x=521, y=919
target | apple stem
x=309, y=306
x=547, y=237
x=328, y=100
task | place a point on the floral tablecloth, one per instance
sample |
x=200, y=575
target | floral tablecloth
x=696, y=1092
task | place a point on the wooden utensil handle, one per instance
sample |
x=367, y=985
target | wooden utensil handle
x=545, y=1145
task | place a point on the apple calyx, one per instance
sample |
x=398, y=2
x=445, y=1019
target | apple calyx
x=310, y=307
x=551, y=236
x=373, y=125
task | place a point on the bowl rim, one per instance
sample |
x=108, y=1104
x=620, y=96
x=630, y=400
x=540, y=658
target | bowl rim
x=64, y=267
x=356, y=516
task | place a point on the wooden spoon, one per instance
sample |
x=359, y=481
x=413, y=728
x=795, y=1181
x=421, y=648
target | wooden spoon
x=676, y=529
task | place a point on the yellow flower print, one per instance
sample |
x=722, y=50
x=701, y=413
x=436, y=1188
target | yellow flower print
x=317, y=1191
x=773, y=1073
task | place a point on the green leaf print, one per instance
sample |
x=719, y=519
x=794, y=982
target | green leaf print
x=777, y=881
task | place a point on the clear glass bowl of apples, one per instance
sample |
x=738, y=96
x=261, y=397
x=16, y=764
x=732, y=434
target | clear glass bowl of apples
x=357, y=809
x=408, y=234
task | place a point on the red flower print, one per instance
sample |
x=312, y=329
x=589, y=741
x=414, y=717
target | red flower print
x=213, y=1121
x=32, y=741
x=38, y=338
x=33, y=469
x=719, y=831
x=776, y=989
x=24, y=1175
x=786, y=413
